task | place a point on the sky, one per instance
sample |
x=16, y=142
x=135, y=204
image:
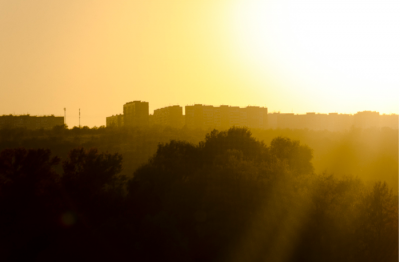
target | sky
x=287, y=55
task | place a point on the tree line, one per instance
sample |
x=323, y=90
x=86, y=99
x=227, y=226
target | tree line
x=367, y=153
x=228, y=197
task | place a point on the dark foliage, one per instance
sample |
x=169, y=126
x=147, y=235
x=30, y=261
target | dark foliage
x=228, y=198
x=371, y=154
x=47, y=216
x=28, y=200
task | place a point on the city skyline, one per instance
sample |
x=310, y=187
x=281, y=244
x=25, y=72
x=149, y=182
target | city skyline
x=199, y=116
x=324, y=56
x=183, y=109
x=193, y=130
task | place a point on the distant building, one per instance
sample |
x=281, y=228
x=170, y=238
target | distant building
x=151, y=119
x=391, y=121
x=115, y=121
x=224, y=117
x=332, y=121
x=136, y=113
x=273, y=120
x=31, y=122
x=310, y=120
x=256, y=117
x=286, y=120
x=314, y=121
x=338, y=122
x=194, y=116
x=235, y=116
x=168, y=116
x=366, y=119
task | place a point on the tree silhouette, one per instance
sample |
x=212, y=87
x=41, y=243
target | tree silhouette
x=235, y=138
x=378, y=231
x=89, y=173
x=230, y=197
x=204, y=196
x=29, y=201
x=298, y=157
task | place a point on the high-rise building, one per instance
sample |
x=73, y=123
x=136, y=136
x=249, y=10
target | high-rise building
x=31, y=122
x=195, y=116
x=116, y=121
x=286, y=120
x=255, y=117
x=391, y=121
x=168, y=116
x=224, y=117
x=366, y=119
x=136, y=113
x=273, y=120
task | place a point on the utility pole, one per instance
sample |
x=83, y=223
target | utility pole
x=79, y=118
x=65, y=116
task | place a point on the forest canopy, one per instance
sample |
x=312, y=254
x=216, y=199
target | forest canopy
x=369, y=154
x=229, y=197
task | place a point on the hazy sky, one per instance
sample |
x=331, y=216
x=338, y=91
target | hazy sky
x=290, y=56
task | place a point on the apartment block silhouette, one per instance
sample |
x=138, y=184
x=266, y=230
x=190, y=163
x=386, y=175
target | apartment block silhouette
x=31, y=122
x=391, y=121
x=332, y=121
x=117, y=120
x=223, y=117
x=168, y=116
x=199, y=116
x=136, y=113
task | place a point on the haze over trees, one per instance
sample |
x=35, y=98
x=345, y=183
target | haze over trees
x=228, y=197
x=370, y=154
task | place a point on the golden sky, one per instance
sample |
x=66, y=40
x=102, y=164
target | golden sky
x=290, y=56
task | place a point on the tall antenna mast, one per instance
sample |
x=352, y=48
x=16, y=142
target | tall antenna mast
x=79, y=118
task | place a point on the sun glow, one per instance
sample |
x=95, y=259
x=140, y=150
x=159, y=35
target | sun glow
x=345, y=50
x=288, y=55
